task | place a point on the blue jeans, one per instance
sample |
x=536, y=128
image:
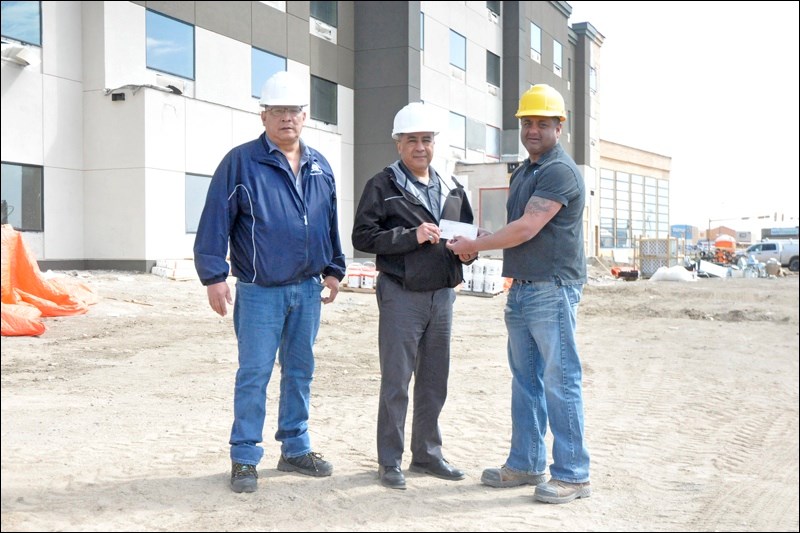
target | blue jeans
x=269, y=320
x=541, y=319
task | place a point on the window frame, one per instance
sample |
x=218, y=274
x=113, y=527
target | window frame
x=259, y=75
x=318, y=107
x=162, y=68
x=489, y=60
x=36, y=203
x=462, y=60
x=319, y=15
x=193, y=209
x=536, y=51
x=558, y=58
x=462, y=129
x=22, y=38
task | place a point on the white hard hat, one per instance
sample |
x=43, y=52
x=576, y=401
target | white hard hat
x=284, y=89
x=414, y=117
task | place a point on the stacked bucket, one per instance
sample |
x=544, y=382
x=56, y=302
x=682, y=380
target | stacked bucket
x=361, y=275
x=484, y=276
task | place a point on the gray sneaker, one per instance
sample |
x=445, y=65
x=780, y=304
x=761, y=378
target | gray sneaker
x=310, y=464
x=244, y=478
x=508, y=477
x=557, y=491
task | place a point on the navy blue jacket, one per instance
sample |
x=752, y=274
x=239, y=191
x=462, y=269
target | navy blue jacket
x=275, y=236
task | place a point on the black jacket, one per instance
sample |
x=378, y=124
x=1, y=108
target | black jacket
x=386, y=222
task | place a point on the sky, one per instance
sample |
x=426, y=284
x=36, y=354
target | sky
x=714, y=86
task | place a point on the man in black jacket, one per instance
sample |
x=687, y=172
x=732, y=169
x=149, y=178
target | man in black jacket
x=398, y=220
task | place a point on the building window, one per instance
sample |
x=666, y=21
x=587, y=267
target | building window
x=492, y=204
x=22, y=197
x=569, y=125
x=493, y=142
x=195, y=198
x=170, y=45
x=22, y=21
x=557, y=58
x=458, y=131
x=325, y=12
x=476, y=135
x=421, y=31
x=324, y=98
x=458, y=50
x=263, y=66
x=536, y=43
x=494, y=7
x=492, y=69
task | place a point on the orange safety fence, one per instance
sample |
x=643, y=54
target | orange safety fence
x=27, y=295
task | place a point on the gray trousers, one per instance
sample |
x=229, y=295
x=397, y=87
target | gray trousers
x=413, y=338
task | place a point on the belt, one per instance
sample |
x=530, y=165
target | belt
x=524, y=281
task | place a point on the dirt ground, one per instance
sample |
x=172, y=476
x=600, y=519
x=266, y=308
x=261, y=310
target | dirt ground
x=118, y=420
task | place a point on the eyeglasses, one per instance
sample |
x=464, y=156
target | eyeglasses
x=280, y=111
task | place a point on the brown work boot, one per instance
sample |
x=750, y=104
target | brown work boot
x=508, y=477
x=557, y=491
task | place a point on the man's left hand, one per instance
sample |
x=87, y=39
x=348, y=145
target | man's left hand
x=333, y=284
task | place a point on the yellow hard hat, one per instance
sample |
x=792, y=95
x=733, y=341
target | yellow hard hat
x=541, y=100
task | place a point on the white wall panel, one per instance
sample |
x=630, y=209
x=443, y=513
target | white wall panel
x=61, y=37
x=245, y=127
x=113, y=131
x=208, y=136
x=166, y=213
x=64, y=214
x=115, y=214
x=21, y=124
x=125, y=44
x=223, y=55
x=165, y=127
x=63, y=137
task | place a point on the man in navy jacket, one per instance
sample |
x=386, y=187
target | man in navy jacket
x=272, y=202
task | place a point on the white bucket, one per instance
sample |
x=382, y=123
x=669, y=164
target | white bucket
x=493, y=267
x=493, y=284
x=478, y=275
x=368, y=274
x=354, y=275
x=467, y=279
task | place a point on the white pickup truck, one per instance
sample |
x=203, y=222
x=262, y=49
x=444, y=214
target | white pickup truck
x=784, y=251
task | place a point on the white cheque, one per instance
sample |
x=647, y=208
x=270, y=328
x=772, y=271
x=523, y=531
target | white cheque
x=451, y=228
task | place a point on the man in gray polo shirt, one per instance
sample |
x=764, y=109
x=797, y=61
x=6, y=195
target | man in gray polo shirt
x=543, y=252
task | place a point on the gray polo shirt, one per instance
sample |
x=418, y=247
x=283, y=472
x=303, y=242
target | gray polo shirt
x=556, y=252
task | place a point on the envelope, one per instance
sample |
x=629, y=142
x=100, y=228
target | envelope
x=451, y=228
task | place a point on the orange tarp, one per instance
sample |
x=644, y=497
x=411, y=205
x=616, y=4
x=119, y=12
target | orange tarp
x=27, y=295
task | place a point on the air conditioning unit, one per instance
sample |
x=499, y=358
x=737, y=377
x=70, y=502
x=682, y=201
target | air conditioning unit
x=322, y=30
x=493, y=17
x=457, y=73
x=492, y=89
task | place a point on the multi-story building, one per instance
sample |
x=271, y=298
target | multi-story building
x=116, y=114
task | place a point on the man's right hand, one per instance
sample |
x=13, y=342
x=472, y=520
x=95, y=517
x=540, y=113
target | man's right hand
x=219, y=294
x=428, y=232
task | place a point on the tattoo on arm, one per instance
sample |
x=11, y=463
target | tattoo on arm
x=537, y=205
